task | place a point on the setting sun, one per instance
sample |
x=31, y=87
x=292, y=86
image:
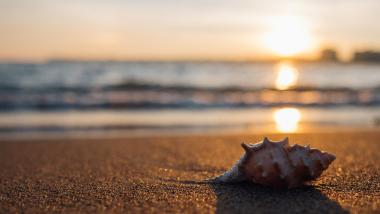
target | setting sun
x=287, y=76
x=288, y=36
x=287, y=119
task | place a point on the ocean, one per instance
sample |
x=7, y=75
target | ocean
x=60, y=98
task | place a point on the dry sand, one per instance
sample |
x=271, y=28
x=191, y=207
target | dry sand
x=160, y=174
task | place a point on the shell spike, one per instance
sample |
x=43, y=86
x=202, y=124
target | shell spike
x=285, y=142
x=245, y=147
x=266, y=141
x=330, y=157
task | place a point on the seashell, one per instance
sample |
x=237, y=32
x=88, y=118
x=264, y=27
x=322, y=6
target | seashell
x=276, y=164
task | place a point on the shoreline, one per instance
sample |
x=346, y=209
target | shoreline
x=170, y=133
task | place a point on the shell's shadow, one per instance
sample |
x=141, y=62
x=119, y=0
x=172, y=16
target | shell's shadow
x=251, y=198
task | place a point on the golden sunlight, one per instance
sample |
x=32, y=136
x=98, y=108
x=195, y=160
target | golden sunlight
x=287, y=76
x=287, y=119
x=288, y=36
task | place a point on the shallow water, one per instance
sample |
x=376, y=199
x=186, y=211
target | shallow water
x=134, y=97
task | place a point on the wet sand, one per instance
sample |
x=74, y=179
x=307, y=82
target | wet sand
x=160, y=174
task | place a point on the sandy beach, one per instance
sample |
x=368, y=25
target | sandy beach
x=162, y=174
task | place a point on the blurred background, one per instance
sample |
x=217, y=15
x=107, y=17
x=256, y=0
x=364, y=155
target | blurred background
x=111, y=68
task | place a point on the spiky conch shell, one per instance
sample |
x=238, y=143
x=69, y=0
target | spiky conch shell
x=276, y=164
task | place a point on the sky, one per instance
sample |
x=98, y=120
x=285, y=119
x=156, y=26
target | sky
x=185, y=29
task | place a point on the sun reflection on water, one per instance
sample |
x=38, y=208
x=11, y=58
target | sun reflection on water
x=287, y=76
x=287, y=119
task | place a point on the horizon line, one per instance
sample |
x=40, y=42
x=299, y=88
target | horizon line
x=299, y=58
x=200, y=60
